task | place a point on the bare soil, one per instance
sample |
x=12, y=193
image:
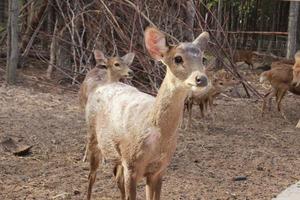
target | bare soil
x=210, y=154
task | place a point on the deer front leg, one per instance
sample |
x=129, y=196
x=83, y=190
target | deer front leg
x=266, y=98
x=129, y=183
x=153, y=187
x=280, y=96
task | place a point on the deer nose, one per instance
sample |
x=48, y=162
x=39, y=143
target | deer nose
x=130, y=73
x=201, y=81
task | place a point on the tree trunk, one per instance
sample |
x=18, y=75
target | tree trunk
x=52, y=52
x=12, y=40
x=292, y=29
x=190, y=12
x=219, y=29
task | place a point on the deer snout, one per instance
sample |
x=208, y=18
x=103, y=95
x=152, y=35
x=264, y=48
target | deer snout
x=130, y=73
x=201, y=81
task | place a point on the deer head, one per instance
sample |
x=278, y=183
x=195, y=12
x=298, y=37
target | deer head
x=116, y=66
x=183, y=61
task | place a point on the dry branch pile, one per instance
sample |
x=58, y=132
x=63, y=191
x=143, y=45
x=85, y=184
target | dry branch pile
x=64, y=33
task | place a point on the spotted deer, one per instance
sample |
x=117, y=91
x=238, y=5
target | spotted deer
x=136, y=131
x=116, y=68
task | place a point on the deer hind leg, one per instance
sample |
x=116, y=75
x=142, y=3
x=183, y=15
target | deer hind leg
x=84, y=159
x=279, y=98
x=298, y=125
x=153, y=187
x=119, y=175
x=268, y=96
x=129, y=183
x=95, y=157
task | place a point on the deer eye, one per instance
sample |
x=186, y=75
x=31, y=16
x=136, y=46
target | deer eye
x=178, y=60
x=117, y=64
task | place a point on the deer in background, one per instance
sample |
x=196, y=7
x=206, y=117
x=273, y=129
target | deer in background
x=281, y=80
x=220, y=81
x=116, y=68
x=136, y=131
x=244, y=56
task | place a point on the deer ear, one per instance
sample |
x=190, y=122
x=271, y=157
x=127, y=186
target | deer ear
x=155, y=42
x=100, y=57
x=128, y=58
x=202, y=40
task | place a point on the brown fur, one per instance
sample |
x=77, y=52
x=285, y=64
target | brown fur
x=137, y=131
x=296, y=69
x=220, y=81
x=244, y=56
x=280, y=78
x=92, y=79
x=296, y=75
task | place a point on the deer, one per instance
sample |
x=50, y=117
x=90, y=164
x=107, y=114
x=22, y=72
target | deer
x=136, y=131
x=245, y=56
x=281, y=79
x=116, y=68
x=220, y=82
x=296, y=70
x=296, y=75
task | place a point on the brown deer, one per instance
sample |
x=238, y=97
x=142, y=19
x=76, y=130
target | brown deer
x=204, y=99
x=116, y=68
x=296, y=75
x=136, y=131
x=280, y=78
x=244, y=56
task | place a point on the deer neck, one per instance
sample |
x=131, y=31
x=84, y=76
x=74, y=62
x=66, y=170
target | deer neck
x=111, y=77
x=168, y=107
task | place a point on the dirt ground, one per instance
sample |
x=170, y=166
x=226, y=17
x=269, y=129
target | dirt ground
x=210, y=154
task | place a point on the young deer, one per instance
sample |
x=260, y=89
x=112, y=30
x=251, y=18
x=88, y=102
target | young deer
x=138, y=131
x=116, y=68
x=220, y=82
x=280, y=78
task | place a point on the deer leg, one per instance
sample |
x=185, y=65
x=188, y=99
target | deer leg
x=201, y=107
x=189, y=109
x=85, y=153
x=129, y=183
x=95, y=157
x=153, y=187
x=267, y=98
x=298, y=125
x=119, y=175
x=211, y=105
x=280, y=96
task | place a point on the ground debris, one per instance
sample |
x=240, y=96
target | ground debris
x=11, y=146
